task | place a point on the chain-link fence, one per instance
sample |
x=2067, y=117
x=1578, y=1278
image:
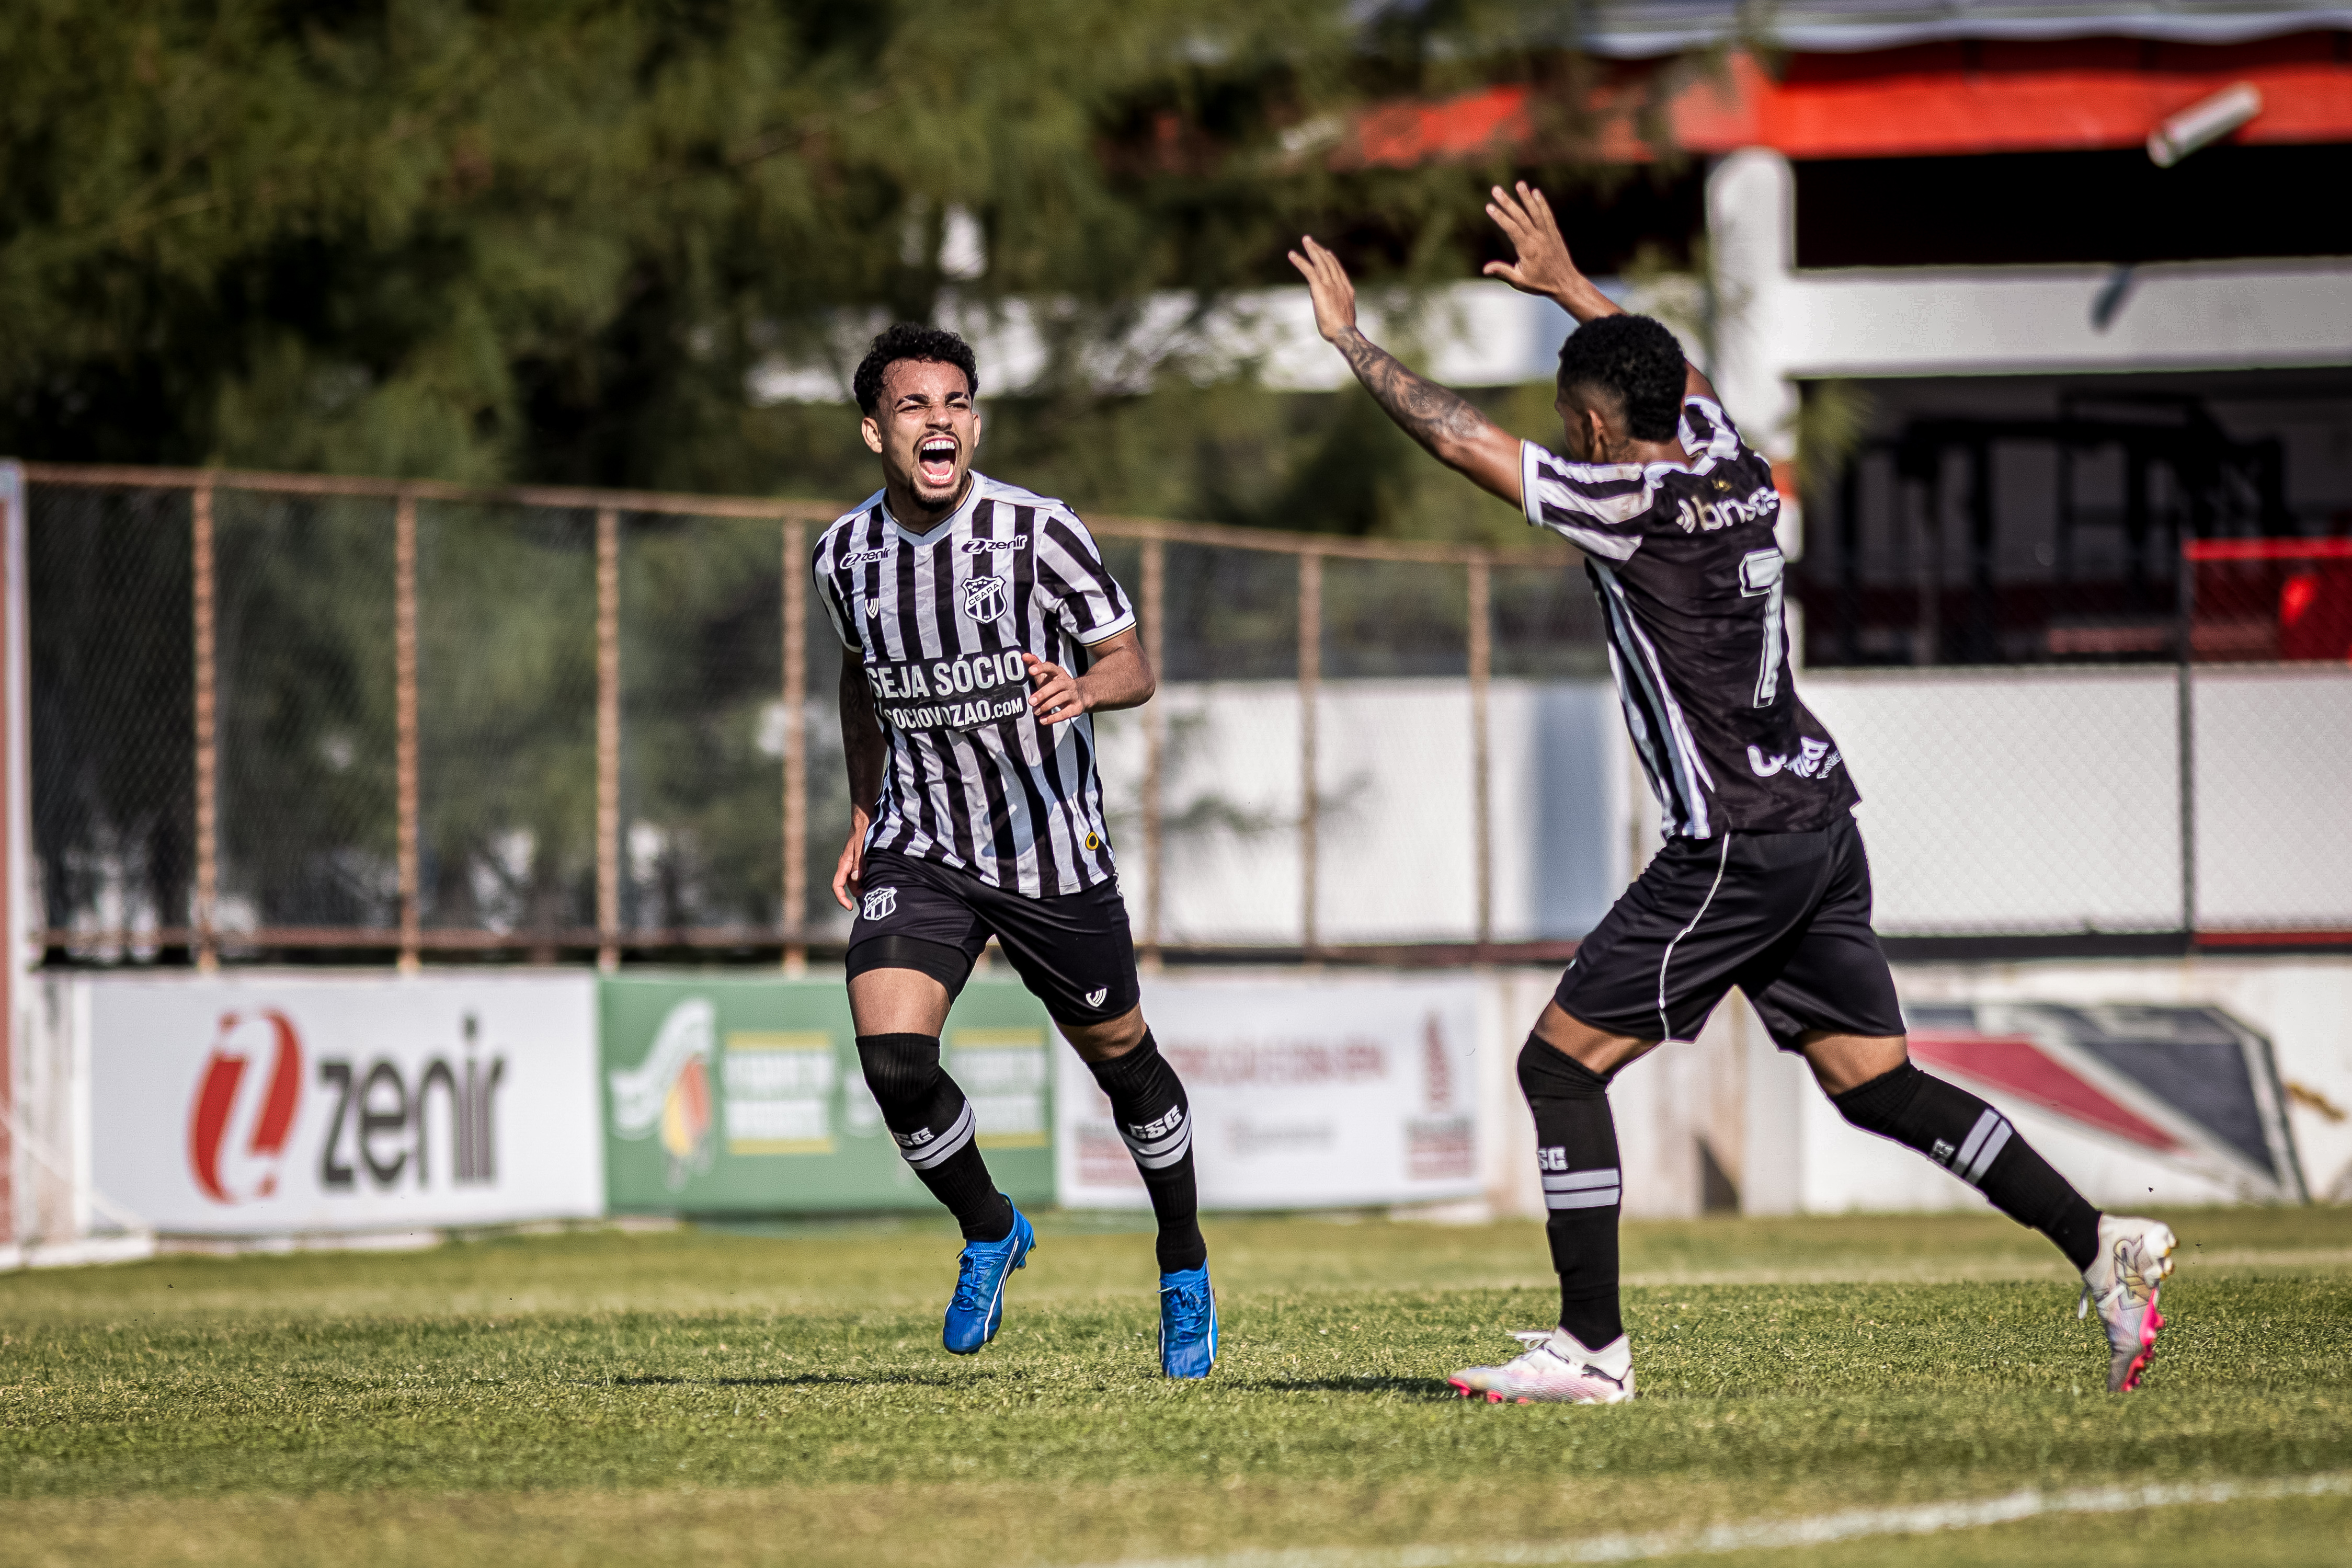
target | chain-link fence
x=279, y=716
x=2205, y=796
x=286, y=717
x=2269, y=721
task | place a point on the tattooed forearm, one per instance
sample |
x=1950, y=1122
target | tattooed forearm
x=1427, y=412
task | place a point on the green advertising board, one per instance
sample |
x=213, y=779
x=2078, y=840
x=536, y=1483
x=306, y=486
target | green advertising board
x=739, y=1094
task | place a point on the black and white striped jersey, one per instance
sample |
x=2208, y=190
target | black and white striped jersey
x=1690, y=579
x=940, y=621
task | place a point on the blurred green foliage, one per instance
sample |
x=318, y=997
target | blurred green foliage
x=547, y=239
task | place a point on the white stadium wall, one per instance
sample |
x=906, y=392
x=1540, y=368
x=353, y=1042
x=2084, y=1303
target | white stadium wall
x=2019, y=801
x=1394, y=862
x=2273, y=801
x=1780, y=324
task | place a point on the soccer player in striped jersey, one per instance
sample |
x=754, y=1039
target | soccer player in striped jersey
x=1761, y=882
x=980, y=629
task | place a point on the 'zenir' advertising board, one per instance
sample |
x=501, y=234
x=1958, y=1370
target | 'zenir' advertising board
x=266, y=1103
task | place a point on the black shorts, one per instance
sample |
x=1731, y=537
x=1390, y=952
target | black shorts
x=1783, y=916
x=1074, y=952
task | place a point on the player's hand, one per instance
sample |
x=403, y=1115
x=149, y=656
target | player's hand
x=1543, y=266
x=1327, y=280
x=849, y=872
x=1057, y=698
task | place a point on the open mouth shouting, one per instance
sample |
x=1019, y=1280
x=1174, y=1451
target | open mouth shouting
x=935, y=460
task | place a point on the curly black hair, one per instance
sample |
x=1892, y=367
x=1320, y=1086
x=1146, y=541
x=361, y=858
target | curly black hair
x=1638, y=360
x=911, y=340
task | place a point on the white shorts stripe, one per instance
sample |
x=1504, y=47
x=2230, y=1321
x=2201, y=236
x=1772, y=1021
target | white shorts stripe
x=1666, y=1030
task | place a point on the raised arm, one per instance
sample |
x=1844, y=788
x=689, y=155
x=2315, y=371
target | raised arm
x=1453, y=430
x=1545, y=267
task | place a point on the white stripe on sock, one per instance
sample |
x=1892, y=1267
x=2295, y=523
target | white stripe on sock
x=1984, y=1157
x=1596, y=1198
x=1163, y=1156
x=1986, y=1123
x=925, y=1156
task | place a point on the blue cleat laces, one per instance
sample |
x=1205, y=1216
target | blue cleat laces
x=977, y=1309
x=1188, y=1322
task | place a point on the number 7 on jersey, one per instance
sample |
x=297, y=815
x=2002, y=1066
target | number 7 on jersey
x=1762, y=572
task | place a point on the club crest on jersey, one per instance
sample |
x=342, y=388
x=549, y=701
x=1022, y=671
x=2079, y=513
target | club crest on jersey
x=881, y=903
x=985, y=599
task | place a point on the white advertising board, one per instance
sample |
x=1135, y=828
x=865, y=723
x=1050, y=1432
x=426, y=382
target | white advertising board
x=267, y=1103
x=1343, y=1092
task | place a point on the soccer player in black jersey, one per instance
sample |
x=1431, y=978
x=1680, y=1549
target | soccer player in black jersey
x=980, y=629
x=1761, y=882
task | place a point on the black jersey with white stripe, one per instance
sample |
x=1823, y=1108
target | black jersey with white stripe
x=940, y=621
x=1683, y=558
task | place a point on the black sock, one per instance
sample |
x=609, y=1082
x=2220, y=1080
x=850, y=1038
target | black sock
x=1576, y=1149
x=932, y=1123
x=1978, y=1145
x=1147, y=1101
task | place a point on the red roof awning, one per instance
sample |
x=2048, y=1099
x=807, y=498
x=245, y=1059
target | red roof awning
x=1943, y=98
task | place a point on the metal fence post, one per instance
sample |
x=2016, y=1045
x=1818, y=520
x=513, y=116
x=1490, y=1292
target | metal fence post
x=1482, y=659
x=403, y=646
x=205, y=613
x=2185, y=725
x=797, y=590
x=1155, y=744
x=608, y=738
x=1310, y=678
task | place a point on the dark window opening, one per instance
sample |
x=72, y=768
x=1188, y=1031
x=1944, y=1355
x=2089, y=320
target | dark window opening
x=2024, y=520
x=2014, y=209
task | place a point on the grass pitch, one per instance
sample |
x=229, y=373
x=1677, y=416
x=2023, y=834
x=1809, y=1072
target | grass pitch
x=729, y=1397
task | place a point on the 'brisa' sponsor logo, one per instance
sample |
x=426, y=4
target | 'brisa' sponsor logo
x=1694, y=515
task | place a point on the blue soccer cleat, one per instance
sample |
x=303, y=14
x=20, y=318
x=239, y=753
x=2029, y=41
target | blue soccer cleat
x=1188, y=1322
x=977, y=1309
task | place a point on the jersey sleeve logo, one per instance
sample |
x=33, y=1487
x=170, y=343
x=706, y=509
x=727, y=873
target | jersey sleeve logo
x=985, y=599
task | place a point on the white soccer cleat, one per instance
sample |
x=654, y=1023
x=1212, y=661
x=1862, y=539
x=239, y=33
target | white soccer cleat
x=1556, y=1370
x=2135, y=1255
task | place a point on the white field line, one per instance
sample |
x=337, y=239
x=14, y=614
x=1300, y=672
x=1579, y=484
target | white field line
x=1923, y=1519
